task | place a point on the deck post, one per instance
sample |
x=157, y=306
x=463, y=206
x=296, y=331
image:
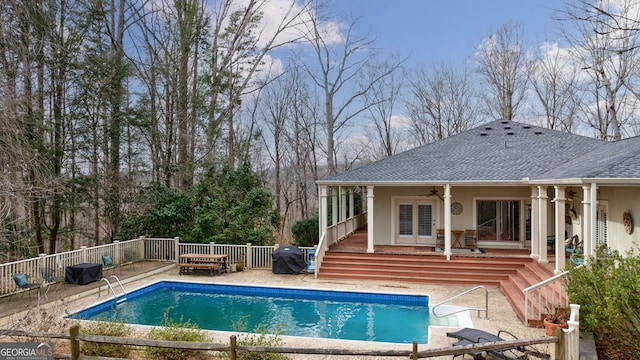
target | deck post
x=560, y=228
x=447, y=221
x=586, y=220
x=533, y=225
x=370, y=219
x=542, y=223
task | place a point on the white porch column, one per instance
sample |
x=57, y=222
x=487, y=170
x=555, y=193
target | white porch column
x=351, y=204
x=447, y=221
x=370, y=219
x=586, y=220
x=594, y=216
x=322, y=210
x=560, y=228
x=343, y=203
x=542, y=223
x=535, y=216
x=334, y=205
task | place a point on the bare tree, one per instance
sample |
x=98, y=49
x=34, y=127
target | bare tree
x=555, y=82
x=608, y=53
x=503, y=63
x=339, y=68
x=441, y=103
x=238, y=52
x=381, y=100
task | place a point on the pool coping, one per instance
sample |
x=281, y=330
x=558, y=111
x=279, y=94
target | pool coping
x=462, y=314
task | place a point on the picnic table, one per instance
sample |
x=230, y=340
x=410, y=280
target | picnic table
x=192, y=262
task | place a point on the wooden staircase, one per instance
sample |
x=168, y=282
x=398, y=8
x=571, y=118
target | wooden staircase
x=510, y=274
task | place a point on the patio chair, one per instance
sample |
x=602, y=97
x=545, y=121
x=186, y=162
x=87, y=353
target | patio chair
x=23, y=285
x=440, y=238
x=131, y=257
x=470, y=240
x=573, y=245
x=49, y=278
x=108, y=263
x=468, y=336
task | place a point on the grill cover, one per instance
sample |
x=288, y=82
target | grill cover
x=288, y=260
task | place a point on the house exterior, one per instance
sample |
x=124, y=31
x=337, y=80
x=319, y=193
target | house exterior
x=518, y=186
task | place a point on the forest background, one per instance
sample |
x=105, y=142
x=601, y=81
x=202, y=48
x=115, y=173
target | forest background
x=212, y=120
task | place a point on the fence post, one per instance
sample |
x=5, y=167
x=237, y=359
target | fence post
x=141, y=247
x=249, y=258
x=232, y=348
x=73, y=342
x=177, y=249
x=212, y=248
x=84, y=253
x=116, y=256
x=414, y=353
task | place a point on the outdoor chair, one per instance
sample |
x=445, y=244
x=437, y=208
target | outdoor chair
x=470, y=240
x=50, y=278
x=23, y=285
x=131, y=257
x=469, y=336
x=573, y=245
x=440, y=238
x=108, y=263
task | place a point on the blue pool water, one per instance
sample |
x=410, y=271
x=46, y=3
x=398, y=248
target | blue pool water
x=383, y=317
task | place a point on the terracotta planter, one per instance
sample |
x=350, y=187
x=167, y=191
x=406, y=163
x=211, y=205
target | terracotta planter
x=551, y=327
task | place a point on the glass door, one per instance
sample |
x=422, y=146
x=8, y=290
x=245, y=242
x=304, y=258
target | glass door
x=498, y=220
x=415, y=222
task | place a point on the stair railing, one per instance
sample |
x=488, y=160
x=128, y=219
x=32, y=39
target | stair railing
x=546, y=294
x=485, y=309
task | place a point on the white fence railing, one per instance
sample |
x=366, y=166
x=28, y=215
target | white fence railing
x=123, y=252
x=336, y=233
x=545, y=297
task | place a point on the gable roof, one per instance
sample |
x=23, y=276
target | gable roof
x=500, y=151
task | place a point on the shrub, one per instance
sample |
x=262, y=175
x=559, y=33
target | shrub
x=262, y=335
x=106, y=328
x=176, y=331
x=608, y=292
x=305, y=232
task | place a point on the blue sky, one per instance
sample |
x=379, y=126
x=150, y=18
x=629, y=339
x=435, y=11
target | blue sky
x=448, y=30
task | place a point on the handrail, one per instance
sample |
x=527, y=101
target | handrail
x=124, y=292
x=486, y=303
x=538, y=286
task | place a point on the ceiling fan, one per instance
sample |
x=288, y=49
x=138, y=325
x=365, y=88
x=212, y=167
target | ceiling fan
x=434, y=192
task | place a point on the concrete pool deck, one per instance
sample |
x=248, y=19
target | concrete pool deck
x=68, y=299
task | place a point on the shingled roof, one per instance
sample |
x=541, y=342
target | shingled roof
x=616, y=161
x=500, y=151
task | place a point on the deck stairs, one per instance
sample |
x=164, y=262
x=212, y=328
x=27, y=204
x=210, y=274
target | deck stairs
x=510, y=274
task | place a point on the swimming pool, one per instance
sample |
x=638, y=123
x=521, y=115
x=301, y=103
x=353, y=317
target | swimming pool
x=347, y=315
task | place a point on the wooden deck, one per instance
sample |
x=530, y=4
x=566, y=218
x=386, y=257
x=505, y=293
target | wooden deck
x=511, y=270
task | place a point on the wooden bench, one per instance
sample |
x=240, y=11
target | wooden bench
x=184, y=267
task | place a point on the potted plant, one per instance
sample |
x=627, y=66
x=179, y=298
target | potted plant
x=555, y=318
x=238, y=260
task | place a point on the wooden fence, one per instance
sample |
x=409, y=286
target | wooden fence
x=233, y=348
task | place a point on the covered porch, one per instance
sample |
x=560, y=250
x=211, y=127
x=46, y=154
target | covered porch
x=531, y=220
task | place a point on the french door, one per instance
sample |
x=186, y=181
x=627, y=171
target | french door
x=414, y=219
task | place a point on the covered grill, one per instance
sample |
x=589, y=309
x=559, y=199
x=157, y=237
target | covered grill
x=288, y=259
